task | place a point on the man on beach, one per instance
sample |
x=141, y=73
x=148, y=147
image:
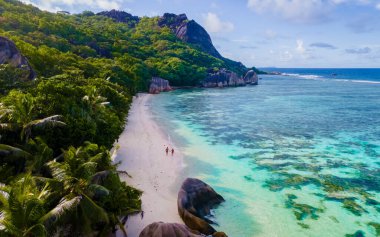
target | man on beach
x=172, y=151
x=167, y=150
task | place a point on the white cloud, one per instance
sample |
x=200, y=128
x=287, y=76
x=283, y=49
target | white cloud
x=214, y=24
x=302, y=51
x=378, y=6
x=300, y=48
x=105, y=4
x=55, y=5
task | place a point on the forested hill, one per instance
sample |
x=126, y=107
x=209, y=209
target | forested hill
x=116, y=45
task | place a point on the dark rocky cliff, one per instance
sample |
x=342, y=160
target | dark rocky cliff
x=189, y=31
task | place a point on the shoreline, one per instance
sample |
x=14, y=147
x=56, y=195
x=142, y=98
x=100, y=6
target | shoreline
x=142, y=155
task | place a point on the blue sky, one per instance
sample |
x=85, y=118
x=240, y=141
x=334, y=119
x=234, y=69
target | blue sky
x=265, y=33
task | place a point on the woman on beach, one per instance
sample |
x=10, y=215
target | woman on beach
x=172, y=151
x=167, y=150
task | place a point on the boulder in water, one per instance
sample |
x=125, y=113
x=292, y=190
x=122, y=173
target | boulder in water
x=223, y=78
x=195, y=200
x=251, y=78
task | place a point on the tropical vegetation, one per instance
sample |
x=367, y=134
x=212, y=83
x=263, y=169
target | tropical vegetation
x=56, y=131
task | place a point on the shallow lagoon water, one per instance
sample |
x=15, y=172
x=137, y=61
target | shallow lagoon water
x=292, y=157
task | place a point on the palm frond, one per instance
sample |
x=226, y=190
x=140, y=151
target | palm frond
x=100, y=177
x=98, y=191
x=87, y=169
x=6, y=150
x=98, y=213
x=48, y=122
x=64, y=207
x=5, y=110
x=36, y=230
x=4, y=194
x=2, y=226
x=54, y=120
x=58, y=172
x=7, y=126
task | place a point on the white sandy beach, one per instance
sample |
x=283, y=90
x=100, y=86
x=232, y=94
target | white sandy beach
x=142, y=153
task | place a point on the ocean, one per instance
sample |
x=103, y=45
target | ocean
x=297, y=155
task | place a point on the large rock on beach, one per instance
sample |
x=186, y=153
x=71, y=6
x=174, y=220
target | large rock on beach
x=251, y=78
x=195, y=200
x=158, y=85
x=9, y=54
x=160, y=229
x=222, y=78
x=226, y=78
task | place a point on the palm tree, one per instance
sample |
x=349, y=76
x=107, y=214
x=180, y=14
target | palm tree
x=20, y=116
x=94, y=101
x=21, y=209
x=78, y=204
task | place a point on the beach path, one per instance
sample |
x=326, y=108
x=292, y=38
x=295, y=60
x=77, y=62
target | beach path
x=142, y=153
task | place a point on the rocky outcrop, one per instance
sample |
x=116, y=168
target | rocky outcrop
x=121, y=16
x=222, y=78
x=9, y=54
x=158, y=85
x=251, y=78
x=160, y=229
x=195, y=200
x=226, y=78
x=189, y=31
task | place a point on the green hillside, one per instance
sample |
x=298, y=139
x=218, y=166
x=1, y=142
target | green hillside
x=92, y=46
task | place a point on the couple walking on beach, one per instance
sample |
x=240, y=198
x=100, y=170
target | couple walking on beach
x=167, y=150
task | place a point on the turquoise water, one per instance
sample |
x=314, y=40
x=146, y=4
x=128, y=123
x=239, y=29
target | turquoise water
x=292, y=156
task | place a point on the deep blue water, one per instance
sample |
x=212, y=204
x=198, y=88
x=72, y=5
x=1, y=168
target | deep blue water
x=357, y=74
x=293, y=156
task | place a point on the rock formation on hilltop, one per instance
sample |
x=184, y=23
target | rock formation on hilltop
x=189, y=31
x=9, y=54
x=121, y=16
